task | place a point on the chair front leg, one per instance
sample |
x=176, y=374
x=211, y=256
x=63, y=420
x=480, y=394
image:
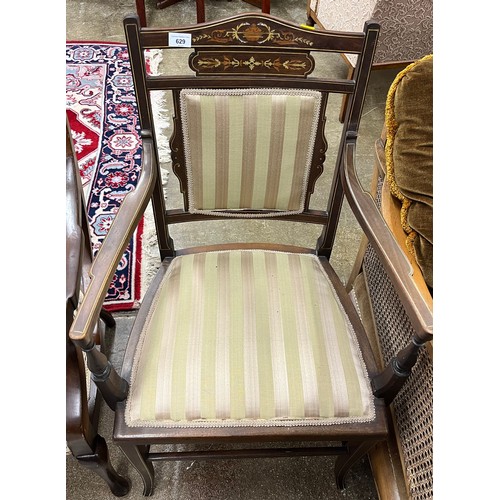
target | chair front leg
x=343, y=463
x=137, y=456
x=99, y=462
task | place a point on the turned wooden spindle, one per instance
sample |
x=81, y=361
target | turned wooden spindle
x=112, y=387
x=387, y=384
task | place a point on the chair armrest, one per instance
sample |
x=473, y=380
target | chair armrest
x=385, y=245
x=112, y=249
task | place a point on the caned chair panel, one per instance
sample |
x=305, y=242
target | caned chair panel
x=413, y=407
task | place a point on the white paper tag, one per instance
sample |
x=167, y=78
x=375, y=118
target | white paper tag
x=179, y=40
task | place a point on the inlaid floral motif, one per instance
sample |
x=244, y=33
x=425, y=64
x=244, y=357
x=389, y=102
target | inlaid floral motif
x=251, y=63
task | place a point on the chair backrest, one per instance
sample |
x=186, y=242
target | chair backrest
x=249, y=118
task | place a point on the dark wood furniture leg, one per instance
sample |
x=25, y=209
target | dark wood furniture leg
x=200, y=11
x=107, y=317
x=136, y=455
x=99, y=462
x=343, y=463
x=141, y=12
x=86, y=445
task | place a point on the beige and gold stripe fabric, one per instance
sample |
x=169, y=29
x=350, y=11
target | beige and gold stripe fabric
x=248, y=149
x=247, y=338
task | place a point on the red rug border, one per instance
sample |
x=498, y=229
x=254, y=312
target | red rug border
x=96, y=42
x=130, y=305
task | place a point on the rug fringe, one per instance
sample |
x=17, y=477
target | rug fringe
x=162, y=123
x=150, y=252
x=161, y=117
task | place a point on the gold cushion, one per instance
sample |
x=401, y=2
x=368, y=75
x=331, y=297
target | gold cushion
x=409, y=157
x=247, y=338
x=248, y=148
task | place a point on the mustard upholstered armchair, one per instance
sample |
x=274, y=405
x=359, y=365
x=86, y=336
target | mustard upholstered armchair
x=403, y=189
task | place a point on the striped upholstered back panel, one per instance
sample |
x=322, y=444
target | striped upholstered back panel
x=248, y=148
x=215, y=350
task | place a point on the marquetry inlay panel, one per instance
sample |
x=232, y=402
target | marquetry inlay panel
x=263, y=63
x=257, y=32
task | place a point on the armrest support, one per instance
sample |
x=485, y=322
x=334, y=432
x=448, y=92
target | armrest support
x=390, y=254
x=111, y=251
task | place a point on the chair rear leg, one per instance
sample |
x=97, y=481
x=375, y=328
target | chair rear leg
x=344, y=462
x=99, y=463
x=141, y=12
x=136, y=455
x=107, y=317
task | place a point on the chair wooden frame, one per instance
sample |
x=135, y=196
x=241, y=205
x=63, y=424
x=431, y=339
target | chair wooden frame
x=389, y=461
x=407, y=16
x=82, y=405
x=245, y=36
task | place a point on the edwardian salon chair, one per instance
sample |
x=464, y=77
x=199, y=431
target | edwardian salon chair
x=246, y=344
x=82, y=399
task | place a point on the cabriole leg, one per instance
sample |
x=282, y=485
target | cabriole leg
x=137, y=457
x=345, y=462
x=99, y=463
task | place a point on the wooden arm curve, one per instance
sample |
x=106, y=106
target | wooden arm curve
x=112, y=249
x=390, y=254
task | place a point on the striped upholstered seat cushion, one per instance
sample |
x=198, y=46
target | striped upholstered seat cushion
x=247, y=338
x=248, y=148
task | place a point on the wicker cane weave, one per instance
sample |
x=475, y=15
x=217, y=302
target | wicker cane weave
x=412, y=408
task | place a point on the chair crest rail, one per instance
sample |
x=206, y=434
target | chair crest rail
x=252, y=31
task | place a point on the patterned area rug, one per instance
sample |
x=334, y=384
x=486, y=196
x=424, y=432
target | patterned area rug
x=102, y=112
